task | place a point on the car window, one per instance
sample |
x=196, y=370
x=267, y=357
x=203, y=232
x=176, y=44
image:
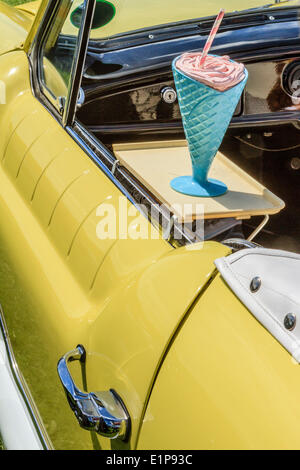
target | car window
x=57, y=53
x=113, y=17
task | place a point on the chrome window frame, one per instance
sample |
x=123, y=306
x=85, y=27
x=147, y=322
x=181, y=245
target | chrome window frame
x=63, y=112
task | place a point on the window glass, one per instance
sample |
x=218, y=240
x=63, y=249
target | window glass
x=58, y=52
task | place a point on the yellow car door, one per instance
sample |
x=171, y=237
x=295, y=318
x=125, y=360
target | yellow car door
x=61, y=284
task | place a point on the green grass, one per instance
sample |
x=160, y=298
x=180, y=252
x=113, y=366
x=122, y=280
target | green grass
x=15, y=2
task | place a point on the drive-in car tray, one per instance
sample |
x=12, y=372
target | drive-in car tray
x=155, y=164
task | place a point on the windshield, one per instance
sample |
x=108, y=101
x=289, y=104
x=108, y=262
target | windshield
x=115, y=17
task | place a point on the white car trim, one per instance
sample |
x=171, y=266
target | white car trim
x=274, y=299
x=20, y=425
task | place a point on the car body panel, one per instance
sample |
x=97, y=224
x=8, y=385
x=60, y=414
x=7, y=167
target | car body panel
x=154, y=302
x=125, y=20
x=30, y=7
x=61, y=285
x=132, y=15
x=15, y=26
x=239, y=385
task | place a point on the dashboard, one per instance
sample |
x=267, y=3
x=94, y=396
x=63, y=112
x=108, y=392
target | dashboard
x=129, y=92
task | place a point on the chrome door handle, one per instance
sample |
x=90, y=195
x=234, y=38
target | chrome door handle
x=102, y=412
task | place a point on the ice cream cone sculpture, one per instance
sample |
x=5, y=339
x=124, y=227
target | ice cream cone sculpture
x=209, y=88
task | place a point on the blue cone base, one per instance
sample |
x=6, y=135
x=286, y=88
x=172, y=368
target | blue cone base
x=189, y=186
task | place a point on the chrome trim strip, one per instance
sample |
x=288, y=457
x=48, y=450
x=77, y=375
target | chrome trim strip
x=237, y=122
x=106, y=163
x=237, y=244
x=99, y=162
x=261, y=120
x=23, y=388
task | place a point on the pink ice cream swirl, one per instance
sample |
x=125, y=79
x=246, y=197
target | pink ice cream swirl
x=217, y=72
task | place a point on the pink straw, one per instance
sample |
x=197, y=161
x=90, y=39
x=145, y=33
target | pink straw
x=212, y=35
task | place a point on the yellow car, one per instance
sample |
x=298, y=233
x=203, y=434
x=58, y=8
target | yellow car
x=133, y=317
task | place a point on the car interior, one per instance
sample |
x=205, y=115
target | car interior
x=128, y=102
